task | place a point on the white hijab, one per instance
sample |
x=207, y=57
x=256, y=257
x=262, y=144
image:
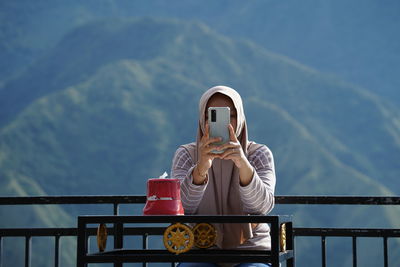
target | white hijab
x=222, y=194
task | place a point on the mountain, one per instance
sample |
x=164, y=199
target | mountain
x=15, y=184
x=281, y=81
x=305, y=167
x=356, y=41
x=106, y=108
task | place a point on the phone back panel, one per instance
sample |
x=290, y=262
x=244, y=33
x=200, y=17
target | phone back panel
x=219, y=127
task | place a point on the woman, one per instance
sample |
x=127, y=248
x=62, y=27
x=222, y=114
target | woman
x=239, y=181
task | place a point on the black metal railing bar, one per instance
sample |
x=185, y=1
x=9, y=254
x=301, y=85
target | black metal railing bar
x=28, y=233
x=349, y=232
x=140, y=199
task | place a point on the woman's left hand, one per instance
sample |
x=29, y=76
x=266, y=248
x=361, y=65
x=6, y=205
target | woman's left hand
x=233, y=150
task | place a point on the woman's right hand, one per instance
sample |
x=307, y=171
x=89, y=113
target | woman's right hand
x=206, y=157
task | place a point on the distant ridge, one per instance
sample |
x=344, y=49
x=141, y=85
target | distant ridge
x=360, y=47
x=106, y=109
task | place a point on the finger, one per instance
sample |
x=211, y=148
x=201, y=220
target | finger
x=213, y=155
x=229, y=152
x=212, y=140
x=232, y=156
x=206, y=134
x=229, y=145
x=232, y=134
x=210, y=148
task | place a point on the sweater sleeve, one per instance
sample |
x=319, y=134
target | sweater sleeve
x=182, y=168
x=258, y=196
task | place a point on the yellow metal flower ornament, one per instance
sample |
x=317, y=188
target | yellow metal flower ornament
x=178, y=238
x=102, y=237
x=205, y=235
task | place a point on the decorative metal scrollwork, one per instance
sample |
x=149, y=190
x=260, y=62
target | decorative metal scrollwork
x=205, y=235
x=178, y=238
x=283, y=237
x=102, y=237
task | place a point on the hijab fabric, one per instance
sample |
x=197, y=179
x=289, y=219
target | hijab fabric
x=222, y=193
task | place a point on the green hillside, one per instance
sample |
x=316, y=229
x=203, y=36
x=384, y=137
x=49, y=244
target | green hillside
x=360, y=46
x=313, y=170
x=349, y=126
x=15, y=184
x=106, y=109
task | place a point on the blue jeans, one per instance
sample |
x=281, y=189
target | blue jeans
x=206, y=264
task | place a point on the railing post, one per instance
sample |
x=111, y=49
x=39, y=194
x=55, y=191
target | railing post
x=275, y=244
x=1, y=251
x=116, y=209
x=117, y=233
x=354, y=251
x=290, y=244
x=27, y=251
x=82, y=247
x=118, y=239
x=385, y=251
x=144, y=246
x=323, y=247
x=56, y=250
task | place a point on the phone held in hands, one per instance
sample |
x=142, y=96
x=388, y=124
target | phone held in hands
x=218, y=121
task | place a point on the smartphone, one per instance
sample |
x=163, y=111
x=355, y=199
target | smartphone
x=218, y=120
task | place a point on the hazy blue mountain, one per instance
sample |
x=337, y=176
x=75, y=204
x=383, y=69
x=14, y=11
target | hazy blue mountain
x=349, y=128
x=13, y=183
x=106, y=108
x=356, y=40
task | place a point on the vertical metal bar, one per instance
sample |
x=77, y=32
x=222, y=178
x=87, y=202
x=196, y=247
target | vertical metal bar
x=116, y=208
x=144, y=246
x=144, y=241
x=118, y=235
x=275, y=244
x=118, y=239
x=323, y=247
x=56, y=250
x=82, y=243
x=354, y=251
x=1, y=251
x=27, y=251
x=290, y=243
x=88, y=241
x=385, y=251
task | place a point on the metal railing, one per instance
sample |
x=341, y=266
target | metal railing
x=119, y=254
x=116, y=201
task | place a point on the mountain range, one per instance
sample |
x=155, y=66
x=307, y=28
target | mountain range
x=356, y=41
x=105, y=109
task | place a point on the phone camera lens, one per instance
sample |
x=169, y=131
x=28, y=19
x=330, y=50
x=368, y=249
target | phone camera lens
x=213, y=115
